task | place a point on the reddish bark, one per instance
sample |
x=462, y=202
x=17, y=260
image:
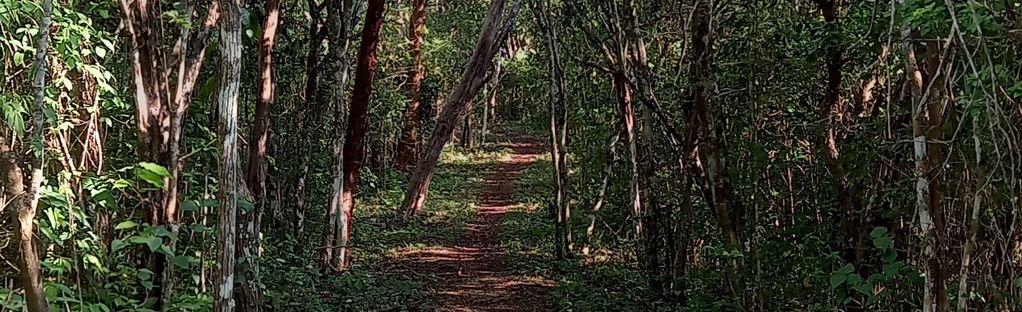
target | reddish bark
x=358, y=117
x=407, y=148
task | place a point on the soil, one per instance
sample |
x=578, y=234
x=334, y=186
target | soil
x=473, y=274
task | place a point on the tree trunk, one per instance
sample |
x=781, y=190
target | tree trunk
x=358, y=122
x=407, y=148
x=341, y=21
x=160, y=126
x=705, y=120
x=456, y=105
x=231, y=187
x=558, y=131
x=491, y=100
x=832, y=110
x=28, y=263
x=467, y=142
x=250, y=297
x=308, y=114
x=927, y=108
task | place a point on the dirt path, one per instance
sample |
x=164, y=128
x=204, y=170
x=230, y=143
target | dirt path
x=473, y=275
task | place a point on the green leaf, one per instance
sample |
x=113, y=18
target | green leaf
x=181, y=261
x=152, y=173
x=845, y=270
x=878, y=232
x=883, y=243
x=126, y=225
x=154, y=168
x=101, y=52
x=144, y=274
x=837, y=280
x=117, y=245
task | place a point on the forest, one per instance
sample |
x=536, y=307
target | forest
x=511, y=155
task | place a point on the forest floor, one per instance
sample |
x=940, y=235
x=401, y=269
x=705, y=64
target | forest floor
x=474, y=274
x=482, y=243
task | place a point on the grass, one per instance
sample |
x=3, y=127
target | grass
x=380, y=231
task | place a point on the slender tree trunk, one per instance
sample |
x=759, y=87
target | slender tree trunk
x=358, y=121
x=248, y=293
x=491, y=100
x=558, y=131
x=231, y=183
x=979, y=180
x=721, y=193
x=407, y=150
x=467, y=139
x=28, y=263
x=159, y=117
x=832, y=110
x=341, y=21
x=927, y=106
x=308, y=115
x=457, y=104
x=625, y=105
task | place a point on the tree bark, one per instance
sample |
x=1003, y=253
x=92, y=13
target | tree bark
x=456, y=105
x=558, y=133
x=928, y=155
x=28, y=263
x=358, y=121
x=341, y=22
x=249, y=295
x=231, y=187
x=491, y=100
x=160, y=118
x=705, y=119
x=832, y=111
x=407, y=149
x=308, y=114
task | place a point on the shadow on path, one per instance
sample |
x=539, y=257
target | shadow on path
x=473, y=275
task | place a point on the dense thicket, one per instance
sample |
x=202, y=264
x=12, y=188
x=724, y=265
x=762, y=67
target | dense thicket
x=703, y=155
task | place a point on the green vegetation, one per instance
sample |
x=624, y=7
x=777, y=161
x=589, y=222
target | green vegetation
x=511, y=155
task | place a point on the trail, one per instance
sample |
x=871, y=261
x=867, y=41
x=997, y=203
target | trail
x=474, y=274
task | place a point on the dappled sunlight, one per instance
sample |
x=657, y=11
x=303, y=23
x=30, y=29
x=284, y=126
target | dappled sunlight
x=474, y=274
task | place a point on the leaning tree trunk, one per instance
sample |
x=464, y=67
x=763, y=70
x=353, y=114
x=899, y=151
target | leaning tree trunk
x=407, y=148
x=250, y=297
x=456, y=105
x=28, y=263
x=358, y=123
x=230, y=176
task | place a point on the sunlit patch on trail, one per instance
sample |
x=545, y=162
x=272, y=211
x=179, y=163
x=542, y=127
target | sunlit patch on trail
x=475, y=273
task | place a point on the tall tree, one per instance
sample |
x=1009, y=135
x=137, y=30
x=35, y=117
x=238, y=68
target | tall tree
x=160, y=118
x=558, y=111
x=832, y=110
x=28, y=263
x=927, y=84
x=232, y=185
x=407, y=149
x=341, y=21
x=248, y=293
x=358, y=121
x=459, y=102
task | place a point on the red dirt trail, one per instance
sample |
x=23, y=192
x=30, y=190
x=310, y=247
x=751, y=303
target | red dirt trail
x=473, y=275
